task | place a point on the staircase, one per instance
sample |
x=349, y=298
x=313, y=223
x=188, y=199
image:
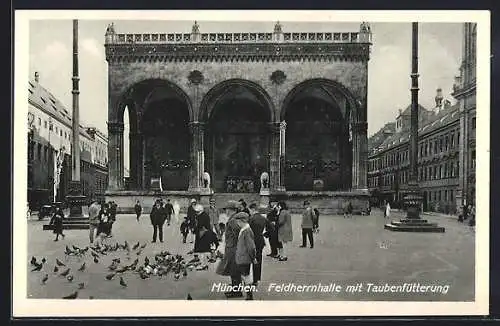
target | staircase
x=71, y=223
x=222, y=198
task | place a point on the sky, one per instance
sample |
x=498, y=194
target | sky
x=50, y=54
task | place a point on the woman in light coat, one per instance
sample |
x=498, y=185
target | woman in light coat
x=285, y=231
x=387, y=210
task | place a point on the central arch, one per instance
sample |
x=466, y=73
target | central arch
x=237, y=114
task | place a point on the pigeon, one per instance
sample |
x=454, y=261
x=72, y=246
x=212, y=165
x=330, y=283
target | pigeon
x=70, y=278
x=144, y=276
x=44, y=260
x=146, y=261
x=116, y=260
x=59, y=263
x=112, y=267
x=189, y=297
x=81, y=286
x=66, y=272
x=122, y=282
x=45, y=278
x=91, y=297
x=56, y=269
x=139, y=252
x=136, y=246
x=68, y=251
x=71, y=296
x=37, y=268
x=202, y=268
x=76, y=248
x=96, y=260
x=94, y=254
x=33, y=261
x=109, y=277
x=82, y=268
x=144, y=245
x=185, y=273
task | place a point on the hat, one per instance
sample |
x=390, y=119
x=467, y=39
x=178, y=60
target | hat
x=198, y=208
x=232, y=204
x=193, y=200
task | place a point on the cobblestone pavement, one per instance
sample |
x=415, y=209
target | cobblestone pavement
x=347, y=252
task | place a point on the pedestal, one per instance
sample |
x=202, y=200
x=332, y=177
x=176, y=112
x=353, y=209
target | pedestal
x=264, y=197
x=413, y=222
x=75, y=199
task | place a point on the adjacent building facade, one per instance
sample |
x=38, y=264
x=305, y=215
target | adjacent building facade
x=49, y=150
x=446, y=146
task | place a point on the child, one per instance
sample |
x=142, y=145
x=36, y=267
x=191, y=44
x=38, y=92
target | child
x=316, y=221
x=57, y=221
x=185, y=229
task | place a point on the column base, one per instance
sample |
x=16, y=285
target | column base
x=413, y=222
x=75, y=199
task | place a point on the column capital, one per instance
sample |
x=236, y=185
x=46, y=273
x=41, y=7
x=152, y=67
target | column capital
x=276, y=127
x=196, y=126
x=115, y=127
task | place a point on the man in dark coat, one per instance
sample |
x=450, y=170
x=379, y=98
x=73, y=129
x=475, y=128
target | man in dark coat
x=191, y=215
x=138, y=210
x=169, y=211
x=272, y=232
x=258, y=223
x=158, y=218
x=113, y=207
x=228, y=266
x=57, y=221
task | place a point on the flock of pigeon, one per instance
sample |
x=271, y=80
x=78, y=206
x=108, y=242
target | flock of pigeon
x=161, y=265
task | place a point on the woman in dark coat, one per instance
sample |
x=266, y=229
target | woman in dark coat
x=204, y=235
x=57, y=221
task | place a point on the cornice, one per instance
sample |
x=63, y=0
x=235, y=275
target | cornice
x=239, y=52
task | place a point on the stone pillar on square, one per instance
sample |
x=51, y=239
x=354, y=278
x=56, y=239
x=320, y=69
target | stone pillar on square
x=115, y=155
x=197, y=156
x=361, y=155
x=276, y=164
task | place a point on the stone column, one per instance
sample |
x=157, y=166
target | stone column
x=355, y=156
x=115, y=159
x=361, y=129
x=144, y=181
x=135, y=159
x=197, y=156
x=277, y=159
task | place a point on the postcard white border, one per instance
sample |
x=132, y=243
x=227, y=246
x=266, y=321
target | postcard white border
x=24, y=307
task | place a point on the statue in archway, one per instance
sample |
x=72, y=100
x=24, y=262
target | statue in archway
x=206, y=180
x=264, y=181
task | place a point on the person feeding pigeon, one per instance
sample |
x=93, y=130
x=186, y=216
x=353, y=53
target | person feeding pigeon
x=227, y=266
x=205, y=237
x=57, y=222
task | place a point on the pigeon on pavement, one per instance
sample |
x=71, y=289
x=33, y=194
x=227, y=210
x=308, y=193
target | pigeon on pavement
x=71, y=296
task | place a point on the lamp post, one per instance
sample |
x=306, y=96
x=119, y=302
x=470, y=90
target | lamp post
x=413, y=200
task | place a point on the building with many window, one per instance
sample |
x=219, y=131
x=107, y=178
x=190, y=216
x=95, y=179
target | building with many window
x=49, y=150
x=446, y=146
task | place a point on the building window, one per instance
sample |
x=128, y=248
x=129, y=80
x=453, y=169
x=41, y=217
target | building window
x=451, y=196
x=39, y=152
x=60, y=132
x=439, y=195
x=473, y=159
x=446, y=143
x=45, y=124
x=446, y=195
x=39, y=121
x=473, y=123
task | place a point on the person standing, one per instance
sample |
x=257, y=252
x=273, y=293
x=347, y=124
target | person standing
x=113, y=207
x=258, y=223
x=169, y=211
x=94, y=210
x=227, y=265
x=138, y=210
x=103, y=227
x=191, y=215
x=307, y=225
x=157, y=219
x=57, y=222
x=244, y=207
x=202, y=226
x=387, y=210
x=272, y=231
x=285, y=231
x=246, y=254
x=213, y=213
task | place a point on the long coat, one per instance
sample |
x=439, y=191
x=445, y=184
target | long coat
x=201, y=242
x=259, y=223
x=285, y=232
x=227, y=266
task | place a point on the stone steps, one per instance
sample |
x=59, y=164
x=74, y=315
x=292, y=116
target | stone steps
x=416, y=225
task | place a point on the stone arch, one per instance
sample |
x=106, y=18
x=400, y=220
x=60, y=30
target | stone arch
x=211, y=98
x=325, y=85
x=139, y=93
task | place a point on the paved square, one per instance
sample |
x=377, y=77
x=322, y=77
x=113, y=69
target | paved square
x=347, y=252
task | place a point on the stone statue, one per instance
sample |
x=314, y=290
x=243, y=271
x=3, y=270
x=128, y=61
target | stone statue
x=264, y=181
x=278, y=27
x=206, y=180
x=365, y=27
x=110, y=29
x=196, y=28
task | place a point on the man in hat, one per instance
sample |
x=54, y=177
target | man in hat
x=228, y=266
x=258, y=223
x=191, y=215
x=202, y=225
x=272, y=231
x=213, y=213
x=307, y=224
